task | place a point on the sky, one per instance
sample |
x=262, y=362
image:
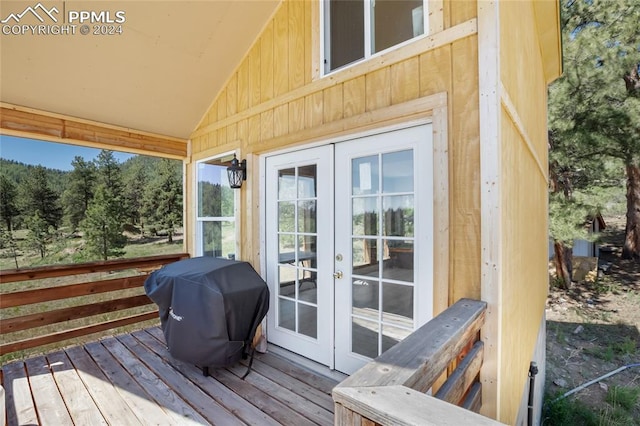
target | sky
x=48, y=154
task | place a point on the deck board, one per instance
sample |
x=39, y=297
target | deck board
x=293, y=384
x=109, y=401
x=200, y=401
x=235, y=403
x=49, y=404
x=77, y=398
x=296, y=402
x=19, y=405
x=129, y=389
x=131, y=379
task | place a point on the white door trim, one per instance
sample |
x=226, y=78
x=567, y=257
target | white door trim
x=436, y=115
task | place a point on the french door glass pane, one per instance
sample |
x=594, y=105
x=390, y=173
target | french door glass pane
x=287, y=277
x=307, y=181
x=365, y=257
x=399, y=262
x=286, y=184
x=397, y=171
x=308, y=320
x=397, y=304
x=398, y=216
x=307, y=287
x=365, y=175
x=392, y=335
x=286, y=216
x=365, y=298
x=365, y=216
x=287, y=314
x=364, y=337
x=307, y=216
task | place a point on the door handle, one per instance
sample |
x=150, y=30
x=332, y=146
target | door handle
x=337, y=275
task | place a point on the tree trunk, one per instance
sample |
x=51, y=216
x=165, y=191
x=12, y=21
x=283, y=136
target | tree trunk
x=631, y=248
x=632, y=80
x=564, y=264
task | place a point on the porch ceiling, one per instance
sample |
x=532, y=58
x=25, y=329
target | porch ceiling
x=160, y=75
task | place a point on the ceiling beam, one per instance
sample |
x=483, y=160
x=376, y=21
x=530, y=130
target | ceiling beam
x=50, y=127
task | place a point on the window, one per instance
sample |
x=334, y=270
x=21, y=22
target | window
x=358, y=29
x=215, y=217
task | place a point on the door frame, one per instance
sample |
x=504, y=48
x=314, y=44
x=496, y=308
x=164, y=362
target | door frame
x=417, y=139
x=322, y=348
x=435, y=114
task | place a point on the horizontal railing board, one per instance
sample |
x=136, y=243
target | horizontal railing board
x=15, y=275
x=463, y=376
x=28, y=297
x=473, y=399
x=399, y=405
x=39, y=319
x=75, y=332
x=418, y=360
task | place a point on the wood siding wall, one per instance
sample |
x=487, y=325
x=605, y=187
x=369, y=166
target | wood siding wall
x=276, y=99
x=524, y=183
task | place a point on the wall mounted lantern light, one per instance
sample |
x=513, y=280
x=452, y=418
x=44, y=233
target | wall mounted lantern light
x=237, y=172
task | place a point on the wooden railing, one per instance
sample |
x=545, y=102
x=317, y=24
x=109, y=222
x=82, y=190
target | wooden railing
x=58, y=306
x=390, y=390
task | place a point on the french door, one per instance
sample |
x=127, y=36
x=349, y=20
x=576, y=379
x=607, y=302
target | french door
x=349, y=246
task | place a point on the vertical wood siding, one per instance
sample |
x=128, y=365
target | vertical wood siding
x=276, y=99
x=524, y=197
x=259, y=106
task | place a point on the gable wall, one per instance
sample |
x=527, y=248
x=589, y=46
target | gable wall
x=276, y=99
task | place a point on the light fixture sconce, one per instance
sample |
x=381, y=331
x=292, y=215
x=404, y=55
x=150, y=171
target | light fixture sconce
x=237, y=172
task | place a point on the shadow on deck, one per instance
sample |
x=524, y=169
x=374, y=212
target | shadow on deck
x=132, y=379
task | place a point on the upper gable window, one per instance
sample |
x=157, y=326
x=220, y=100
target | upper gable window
x=358, y=29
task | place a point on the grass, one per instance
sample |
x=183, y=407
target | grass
x=625, y=397
x=570, y=411
x=625, y=348
x=67, y=250
x=64, y=251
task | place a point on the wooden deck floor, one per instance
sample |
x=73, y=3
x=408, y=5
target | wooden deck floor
x=131, y=379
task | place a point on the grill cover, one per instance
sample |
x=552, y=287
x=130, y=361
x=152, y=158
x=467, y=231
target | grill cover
x=209, y=308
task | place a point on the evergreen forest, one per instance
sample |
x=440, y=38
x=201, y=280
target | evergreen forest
x=99, y=210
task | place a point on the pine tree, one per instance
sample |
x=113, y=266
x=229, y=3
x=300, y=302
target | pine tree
x=103, y=225
x=40, y=233
x=80, y=191
x=594, y=108
x=104, y=221
x=163, y=199
x=8, y=206
x=135, y=183
x=37, y=197
x=7, y=241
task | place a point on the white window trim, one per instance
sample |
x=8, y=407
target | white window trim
x=199, y=220
x=324, y=28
